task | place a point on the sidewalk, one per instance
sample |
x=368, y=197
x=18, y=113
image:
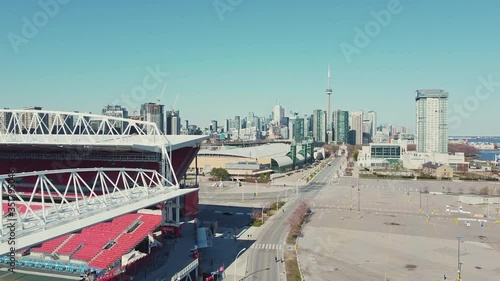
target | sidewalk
x=179, y=256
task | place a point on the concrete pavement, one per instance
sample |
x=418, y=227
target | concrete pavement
x=393, y=240
x=270, y=242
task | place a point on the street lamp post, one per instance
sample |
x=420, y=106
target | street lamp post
x=242, y=193
x=256, y=189
x=459, y=269
x=359, y=197
x=235, y=262
x=427, y=204
x=420, y=192
x=262, y=213
x=277, y=197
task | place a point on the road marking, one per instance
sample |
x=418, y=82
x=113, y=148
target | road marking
x=218, y=212
x=267, y=246
x=240, y=214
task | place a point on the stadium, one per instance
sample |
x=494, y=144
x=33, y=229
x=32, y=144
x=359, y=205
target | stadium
x=92, y=196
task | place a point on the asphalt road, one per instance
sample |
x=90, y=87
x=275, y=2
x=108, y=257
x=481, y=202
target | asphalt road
x=261, y=261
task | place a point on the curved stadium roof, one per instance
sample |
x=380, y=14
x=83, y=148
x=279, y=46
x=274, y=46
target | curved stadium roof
x=272, y=150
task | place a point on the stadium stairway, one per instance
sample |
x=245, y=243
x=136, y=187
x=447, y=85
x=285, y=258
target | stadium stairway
x=62, y=244
x=117, y=238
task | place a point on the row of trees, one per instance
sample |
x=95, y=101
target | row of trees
x=468, y=150
x=297, y=219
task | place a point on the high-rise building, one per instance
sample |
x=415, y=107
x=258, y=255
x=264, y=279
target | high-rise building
x=227, y=126
x=4, y=122
x=278, y=115
x=372, y=116
x=319, y=125
x=155, y=113
x=173, y=123
x=432, y=120
x=296, y=128
x=34, y=124
x=116, y=111
x=213, y=126
x=357, y=127
x=341, y=126
x=367, y=127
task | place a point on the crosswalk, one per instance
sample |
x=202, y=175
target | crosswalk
x=267, y=246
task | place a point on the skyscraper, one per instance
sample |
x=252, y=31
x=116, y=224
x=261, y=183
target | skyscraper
x=319, y=125
x=357, y=127
x=372, y=116
x=341, y=126
x=432, y=120
x=278, y=114
x=155, y=113
x=117, y=111
x=173, y=123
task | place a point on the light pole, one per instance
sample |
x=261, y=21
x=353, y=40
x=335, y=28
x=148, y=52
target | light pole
x=256, y=189
x=262, y=214
x=359, y=198
x=459, y=268
x=420, y=192
x=277, y=198
x=427, y=204
x=242, y=193
x=235, y=262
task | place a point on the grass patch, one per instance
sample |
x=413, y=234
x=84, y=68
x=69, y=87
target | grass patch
x=292, y=267
x=257, y=223
x=273, y=208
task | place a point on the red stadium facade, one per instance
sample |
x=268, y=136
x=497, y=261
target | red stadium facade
x=33, y=140
x=29, y=158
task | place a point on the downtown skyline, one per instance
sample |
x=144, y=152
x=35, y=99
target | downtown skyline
x=243, y=67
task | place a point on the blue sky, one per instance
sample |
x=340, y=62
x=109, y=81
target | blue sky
x=91, y=53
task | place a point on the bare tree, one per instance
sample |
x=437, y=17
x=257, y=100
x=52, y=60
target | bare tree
x=484, y=191
x=256, y=214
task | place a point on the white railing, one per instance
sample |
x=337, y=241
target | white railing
x=181, y=274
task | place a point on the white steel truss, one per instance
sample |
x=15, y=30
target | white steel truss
x=53, y=210
x=34, y=127
x=58, y=127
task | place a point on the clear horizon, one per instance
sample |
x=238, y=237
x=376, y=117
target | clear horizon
x=230, y=60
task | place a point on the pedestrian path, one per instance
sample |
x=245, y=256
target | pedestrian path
x=267, y=246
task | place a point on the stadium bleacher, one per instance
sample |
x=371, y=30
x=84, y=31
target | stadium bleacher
x=100, y=246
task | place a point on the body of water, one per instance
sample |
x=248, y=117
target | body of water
x=488, y=155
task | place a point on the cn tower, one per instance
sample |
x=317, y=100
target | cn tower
x=329, y=112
